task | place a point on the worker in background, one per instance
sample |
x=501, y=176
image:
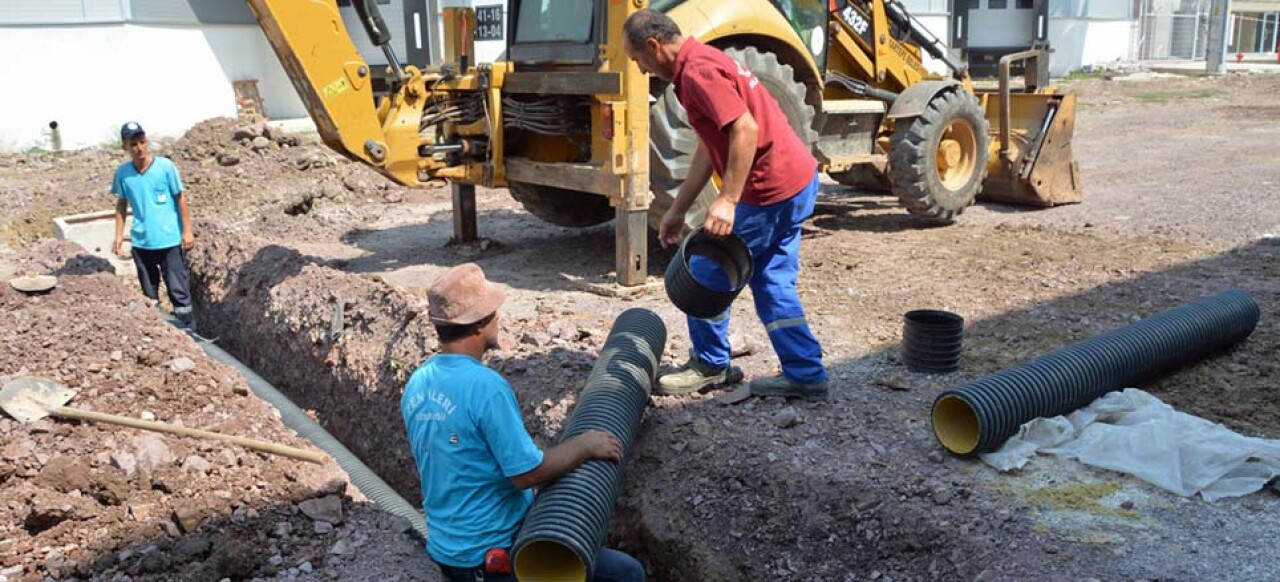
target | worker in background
x=149, y=186
x=477, y=464
x=770, y=185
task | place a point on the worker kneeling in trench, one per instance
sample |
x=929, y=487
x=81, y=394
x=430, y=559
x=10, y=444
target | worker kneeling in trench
x=477, y=464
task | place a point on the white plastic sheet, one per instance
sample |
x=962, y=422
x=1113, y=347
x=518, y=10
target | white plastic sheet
x=1133, y=432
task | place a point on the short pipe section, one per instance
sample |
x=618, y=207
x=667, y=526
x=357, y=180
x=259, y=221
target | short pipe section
x=932, y=341
x=708, y=299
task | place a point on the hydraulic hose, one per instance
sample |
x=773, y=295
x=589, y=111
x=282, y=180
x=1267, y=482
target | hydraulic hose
x=565, y=529
x=982, y=415
x=368, y=482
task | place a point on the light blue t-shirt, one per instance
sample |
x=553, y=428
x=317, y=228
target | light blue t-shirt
x=152, y=197
x=468, y=440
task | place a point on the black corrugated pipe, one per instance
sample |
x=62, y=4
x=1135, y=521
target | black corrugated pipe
x=702, y=299
x=981, y=416
x=932, y=341
x=565, y=529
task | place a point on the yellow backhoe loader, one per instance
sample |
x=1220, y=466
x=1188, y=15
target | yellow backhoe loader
x=580, y=136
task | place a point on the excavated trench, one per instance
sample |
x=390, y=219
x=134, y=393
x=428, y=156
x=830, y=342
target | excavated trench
x=712, y=493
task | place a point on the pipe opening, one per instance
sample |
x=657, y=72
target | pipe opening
x=934, y=317
x=548, y=560
x=955, y=424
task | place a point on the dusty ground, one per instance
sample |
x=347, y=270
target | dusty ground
x=1180, y=186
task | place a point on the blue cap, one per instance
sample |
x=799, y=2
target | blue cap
x=128, y=130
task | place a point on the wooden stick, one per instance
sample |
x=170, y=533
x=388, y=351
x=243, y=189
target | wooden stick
x=266, y=447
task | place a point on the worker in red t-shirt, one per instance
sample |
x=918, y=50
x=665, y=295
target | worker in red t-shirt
x=770, y=184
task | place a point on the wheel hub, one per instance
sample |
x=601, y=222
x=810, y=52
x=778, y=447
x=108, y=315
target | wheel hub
x=957, y=154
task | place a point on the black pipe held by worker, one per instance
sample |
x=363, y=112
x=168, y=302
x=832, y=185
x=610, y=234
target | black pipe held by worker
x=565, y=529
x=705, y=291
x=979, y=417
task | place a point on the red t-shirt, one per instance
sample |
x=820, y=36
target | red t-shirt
x=715, y=91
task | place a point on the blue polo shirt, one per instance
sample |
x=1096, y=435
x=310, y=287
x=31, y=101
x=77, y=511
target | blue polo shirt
x=468, y=440
x=152, y=197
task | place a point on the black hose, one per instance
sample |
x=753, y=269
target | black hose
x=371, y=18
x=859, y=87
x=565, y=529
x=982, y=415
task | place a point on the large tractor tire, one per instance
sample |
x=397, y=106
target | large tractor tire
x=672, y=141
x=562, y=207
x=939, y=159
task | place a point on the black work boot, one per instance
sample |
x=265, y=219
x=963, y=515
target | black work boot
x=783, y=386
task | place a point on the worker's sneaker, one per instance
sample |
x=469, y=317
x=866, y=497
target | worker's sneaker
x=782, y=386
x=694, y=376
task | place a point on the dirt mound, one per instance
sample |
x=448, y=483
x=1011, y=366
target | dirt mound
x=321, y=321
x=96, y=500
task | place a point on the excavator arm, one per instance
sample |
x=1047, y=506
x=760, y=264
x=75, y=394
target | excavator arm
x=334, y=81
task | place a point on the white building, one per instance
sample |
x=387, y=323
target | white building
x=91, y=65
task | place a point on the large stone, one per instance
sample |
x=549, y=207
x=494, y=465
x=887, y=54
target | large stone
x=327, y=509
x=250, y=131
x=48, y=509
x=196, y=463
x=142, y=512
x=110, y=487
x=152, y=453
x=180, y=365
x=260, y=143
x=125, y=461
x=188, y=515
x=17, y=450
x=64, y=473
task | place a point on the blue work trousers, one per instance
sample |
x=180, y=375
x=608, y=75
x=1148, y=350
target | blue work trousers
x=773, y=234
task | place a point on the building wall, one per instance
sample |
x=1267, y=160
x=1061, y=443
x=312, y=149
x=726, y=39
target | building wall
x=1079, y=43
x=92, y=78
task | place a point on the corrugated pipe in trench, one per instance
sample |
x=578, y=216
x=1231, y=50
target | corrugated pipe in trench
x=368, y=482
x=981, y=416
x=565, y=529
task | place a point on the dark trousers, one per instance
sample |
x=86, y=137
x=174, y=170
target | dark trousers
x=172, y=265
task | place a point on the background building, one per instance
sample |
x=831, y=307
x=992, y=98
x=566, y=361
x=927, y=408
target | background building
x=89, y=65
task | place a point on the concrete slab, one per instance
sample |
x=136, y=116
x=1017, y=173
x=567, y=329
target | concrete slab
x=95, y=231
x=1197, y=68
x=294, y=125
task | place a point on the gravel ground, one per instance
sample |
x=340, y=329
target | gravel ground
x=1183, y=158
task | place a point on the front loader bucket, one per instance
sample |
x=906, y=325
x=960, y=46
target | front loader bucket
x=1031, y=161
